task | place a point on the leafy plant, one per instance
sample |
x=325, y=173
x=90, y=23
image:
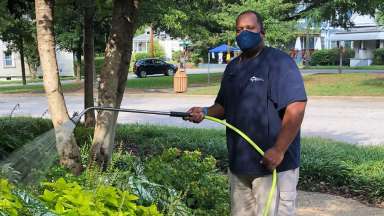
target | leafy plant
x=9, y=203
x=331, y=57
x=206, y=189
x=378, y=56
x=69, y=198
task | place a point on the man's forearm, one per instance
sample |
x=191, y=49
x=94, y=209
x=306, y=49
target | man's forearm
x=291, y=123
x=216, y=110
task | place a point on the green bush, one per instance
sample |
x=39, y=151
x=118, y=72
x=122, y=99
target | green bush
x=206, y=189
x=9, y=203
x=176, y=55
x=69, y=198
x=17, y=131
x=349, y=169
x=331, y=57
x=159, y=52
x=14, y=201
x=141, y=55
x=378, y=56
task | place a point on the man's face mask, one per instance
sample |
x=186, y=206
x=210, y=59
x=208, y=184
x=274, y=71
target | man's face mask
x=248, y=40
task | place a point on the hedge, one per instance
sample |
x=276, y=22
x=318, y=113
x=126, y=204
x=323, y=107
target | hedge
x=378, y=56
x=330, y=57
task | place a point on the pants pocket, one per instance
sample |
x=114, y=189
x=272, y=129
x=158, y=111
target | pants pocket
x=287, y=203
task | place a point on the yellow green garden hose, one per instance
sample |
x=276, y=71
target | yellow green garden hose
x=258, y=149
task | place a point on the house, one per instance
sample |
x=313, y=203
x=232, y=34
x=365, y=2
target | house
x=364, y=37
x=10, y=67
x=141, y=43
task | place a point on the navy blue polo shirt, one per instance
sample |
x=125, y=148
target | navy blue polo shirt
x=254, y=94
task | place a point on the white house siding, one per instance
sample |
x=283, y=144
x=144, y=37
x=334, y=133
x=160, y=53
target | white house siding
x=170, y=46
x=64, y=61
x=14, y=70
x=141, y=43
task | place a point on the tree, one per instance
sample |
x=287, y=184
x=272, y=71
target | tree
x=380, y=16
x=18, y=31
x=113, y=78
x=278, y=32
x=68, y=26
x=89, y=61
x=336, y=11
x=68, y=150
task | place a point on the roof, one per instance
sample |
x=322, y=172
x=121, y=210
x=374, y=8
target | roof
x=142, y=38
x=354, y=34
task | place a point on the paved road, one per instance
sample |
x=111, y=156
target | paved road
x=356, y=120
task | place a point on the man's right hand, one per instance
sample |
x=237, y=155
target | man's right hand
x=197, y=115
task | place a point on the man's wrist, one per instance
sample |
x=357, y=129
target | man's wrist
x=205, y=110
x=280, y=149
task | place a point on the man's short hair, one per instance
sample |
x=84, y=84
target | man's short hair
x=258, y=17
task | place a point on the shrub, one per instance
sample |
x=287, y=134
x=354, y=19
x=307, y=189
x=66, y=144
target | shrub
x=9, y=204
x=206, y=189
x=158, y=51
x=176, y=55
x=15, y=202
x=141, y=55
x=331, y=57
x=69, y=198
x=378, y=56
x=335, y=166
x=17, y=131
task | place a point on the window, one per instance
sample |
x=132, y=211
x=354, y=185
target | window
x=8, y=60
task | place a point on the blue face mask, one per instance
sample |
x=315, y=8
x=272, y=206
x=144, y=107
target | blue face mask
x=247, y=40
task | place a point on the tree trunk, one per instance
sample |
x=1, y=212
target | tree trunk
x=32, y=70
x=113, y=78
x=21, y=51
x=66, y=145
x=89, y=62
x=78, y=65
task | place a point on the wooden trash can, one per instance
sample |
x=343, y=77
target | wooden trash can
x=180, y=81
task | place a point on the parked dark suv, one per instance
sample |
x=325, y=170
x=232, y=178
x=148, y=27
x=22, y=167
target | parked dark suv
x=145, y=67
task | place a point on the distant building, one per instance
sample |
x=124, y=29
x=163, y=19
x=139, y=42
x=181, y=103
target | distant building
x=141, y=43
x=10, y=66
x=364, y=38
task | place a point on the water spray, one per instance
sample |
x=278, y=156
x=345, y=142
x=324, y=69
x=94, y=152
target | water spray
x=77, y=116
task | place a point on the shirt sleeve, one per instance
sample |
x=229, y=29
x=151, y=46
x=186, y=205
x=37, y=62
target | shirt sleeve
x=288, y=85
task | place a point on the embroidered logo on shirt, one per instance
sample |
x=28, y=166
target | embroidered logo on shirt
x=256, y=79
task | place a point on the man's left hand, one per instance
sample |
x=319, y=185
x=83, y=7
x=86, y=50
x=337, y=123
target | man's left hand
x=272, y=158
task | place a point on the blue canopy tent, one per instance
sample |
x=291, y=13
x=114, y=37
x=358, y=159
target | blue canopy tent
x=223, y=48
x=220, y=49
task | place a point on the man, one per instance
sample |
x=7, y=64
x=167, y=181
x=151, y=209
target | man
x=262, y=94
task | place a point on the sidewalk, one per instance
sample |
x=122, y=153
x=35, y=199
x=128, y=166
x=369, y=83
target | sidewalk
x=319, y=204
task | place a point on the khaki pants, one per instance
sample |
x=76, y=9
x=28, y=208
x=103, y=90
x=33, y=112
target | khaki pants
x=249, y=194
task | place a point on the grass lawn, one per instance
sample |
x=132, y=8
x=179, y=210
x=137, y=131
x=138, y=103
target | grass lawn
x=37, y=88
x=6, y=82
x=351, y=84
x=194, y=80
x=370, y=67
